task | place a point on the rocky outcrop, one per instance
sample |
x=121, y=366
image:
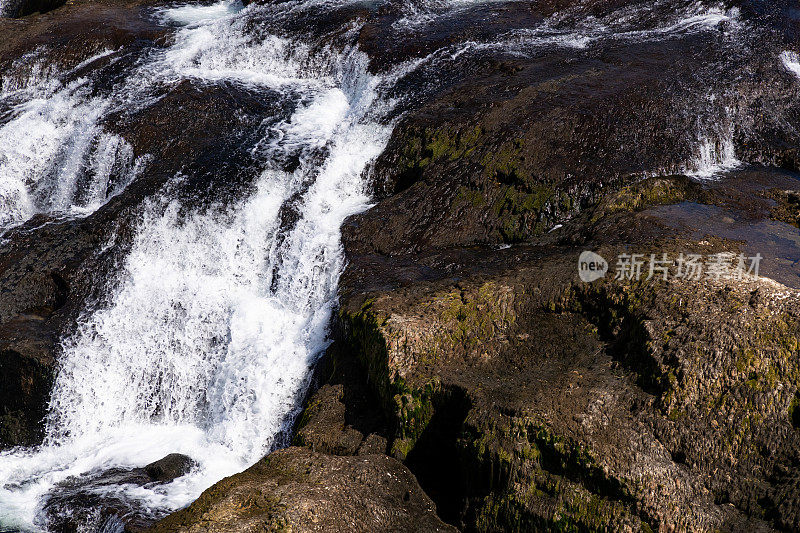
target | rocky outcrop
x=337, y=477
x=519, y=397
x=300, y=490
x=559, y=405
x=26, y=363
x=45, y=279
x=340, y=416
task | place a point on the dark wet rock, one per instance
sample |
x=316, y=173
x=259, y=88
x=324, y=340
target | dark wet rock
x=401, y=31
x=782, y=15
x=170, y=467
x=218, y=161
x=26, y=362
x=787, y=205
x=89, y=503
x=21, y=8
x=340, y=416
x=508, y=154
x=68, y=36
x=46, y=274
x=300, y=490
x=612, y=406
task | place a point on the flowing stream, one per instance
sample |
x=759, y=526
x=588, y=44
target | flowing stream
x=217, y=316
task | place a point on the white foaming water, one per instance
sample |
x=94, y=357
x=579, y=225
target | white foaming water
x=791, y=61
x=55, y=157
x=193, y=16
x=53, y=142
x=216, y=319
x=714, y=148
x=715, y=155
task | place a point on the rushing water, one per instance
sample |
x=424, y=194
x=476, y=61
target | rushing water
x=217, y=314
x=51, y=145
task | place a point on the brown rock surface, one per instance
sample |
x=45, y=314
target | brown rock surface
x=612, y=406
x=300, y=490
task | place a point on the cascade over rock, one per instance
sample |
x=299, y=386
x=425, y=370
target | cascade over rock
x=313, y=265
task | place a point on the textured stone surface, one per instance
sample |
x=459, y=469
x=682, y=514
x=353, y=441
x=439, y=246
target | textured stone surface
x=299, y=490
x=616, y=405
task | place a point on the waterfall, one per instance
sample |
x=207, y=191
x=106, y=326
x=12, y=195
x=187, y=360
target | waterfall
x=204, y=343
x=51, y=145
x=57, y=157
x=216, y=317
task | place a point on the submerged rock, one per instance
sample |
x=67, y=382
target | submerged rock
x=170, y=467
x=300, y=490
x=96, y=503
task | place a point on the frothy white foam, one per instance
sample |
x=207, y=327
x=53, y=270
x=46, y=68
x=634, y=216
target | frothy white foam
x=216, y=316
x=417, y=14
x=791, y=61
x=55, y=157
x=715, y=155
x=197, y=15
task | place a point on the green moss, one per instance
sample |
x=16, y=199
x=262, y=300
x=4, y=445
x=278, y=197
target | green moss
x=546, y=503
x=471, y=197
x=423, y=147
x=522, y=212
x=213, y=502
x=544, y=481
x=473, y=319
x=676, y=414
x=505, y=164
x=305, y=417
x=648, y=193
